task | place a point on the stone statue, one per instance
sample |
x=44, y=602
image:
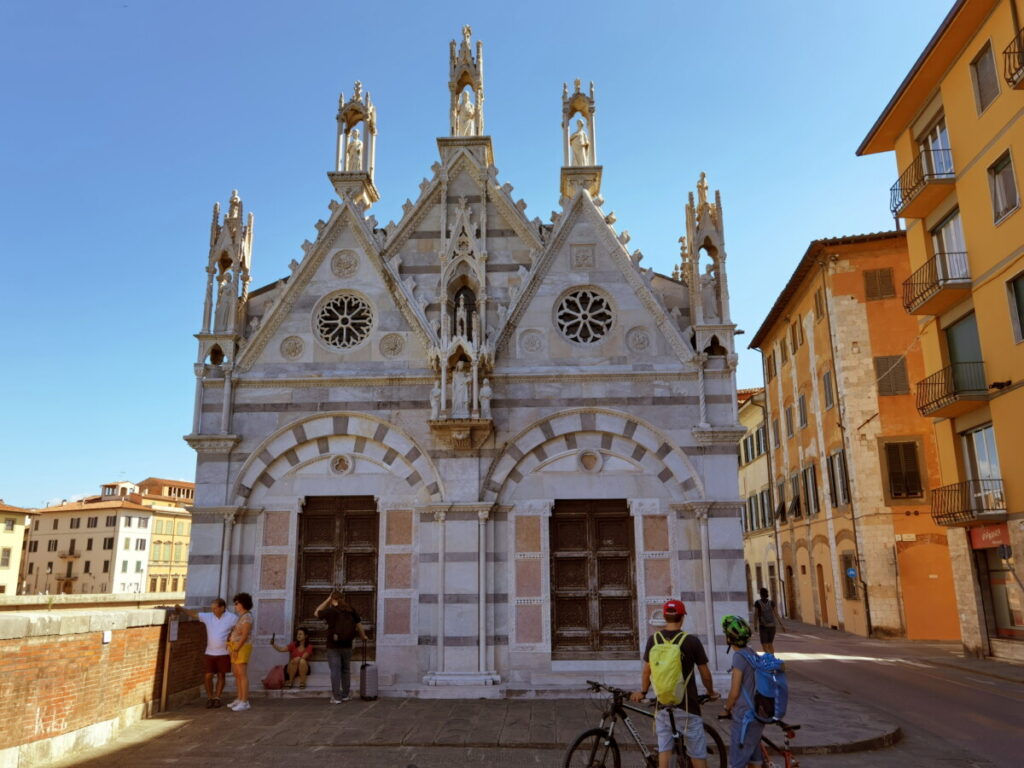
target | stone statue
x=354, y=152
x=709, y=294
x=485, y=399
x=435, y=400
x=460, y=391
x=465, y=113
x=220, y=321
x=460, y=317
x=702, y=189
x=579, y=143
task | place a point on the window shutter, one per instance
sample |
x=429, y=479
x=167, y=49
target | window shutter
x=891, y=375
x=878, y=284
x=832, y=489
x=894, y=461
x=911, y=472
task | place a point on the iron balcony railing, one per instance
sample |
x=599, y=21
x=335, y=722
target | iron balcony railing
x=950, y=384
x=930, y=164
x=937, y=272
x=967, y=502
x=1013, y=60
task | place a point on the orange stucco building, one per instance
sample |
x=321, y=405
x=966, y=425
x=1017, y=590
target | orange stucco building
x=956, y=124
x=851, y=457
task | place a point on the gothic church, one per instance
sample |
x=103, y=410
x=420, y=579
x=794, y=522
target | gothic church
x=505, y=441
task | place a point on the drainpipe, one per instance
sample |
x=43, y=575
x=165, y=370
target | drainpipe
x=841, y=421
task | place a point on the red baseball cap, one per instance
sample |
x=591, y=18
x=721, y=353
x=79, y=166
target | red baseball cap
x=674, y=608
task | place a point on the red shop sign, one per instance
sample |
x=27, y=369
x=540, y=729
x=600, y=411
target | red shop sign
x=988, y=536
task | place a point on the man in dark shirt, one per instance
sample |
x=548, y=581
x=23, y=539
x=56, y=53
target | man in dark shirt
x=340, y=615
x=687, y=720
x=765, y=616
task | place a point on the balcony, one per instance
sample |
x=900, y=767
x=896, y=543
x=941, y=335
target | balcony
x=923, y=184
x=69, y=555
x=952, y=391
x=973, y=501
x=941, y=283
x=1013, y=61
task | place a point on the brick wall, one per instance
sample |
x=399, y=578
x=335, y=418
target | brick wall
x=58, y=678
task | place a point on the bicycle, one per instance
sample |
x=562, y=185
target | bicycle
x=785, y=751
x=597, y=748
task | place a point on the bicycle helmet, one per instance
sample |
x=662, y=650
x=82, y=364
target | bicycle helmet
x=736, y=630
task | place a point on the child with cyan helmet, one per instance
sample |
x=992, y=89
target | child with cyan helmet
x=745, y=735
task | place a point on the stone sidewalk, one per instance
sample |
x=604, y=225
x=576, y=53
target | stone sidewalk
x=402, y=732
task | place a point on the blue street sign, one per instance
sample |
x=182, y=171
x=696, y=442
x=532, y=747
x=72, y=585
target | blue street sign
x=851, y=573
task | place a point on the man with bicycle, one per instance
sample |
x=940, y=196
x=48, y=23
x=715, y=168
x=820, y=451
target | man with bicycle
x=683, y=718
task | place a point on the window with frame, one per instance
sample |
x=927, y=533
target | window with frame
x=819, y=305
x=5, y=557
x=793, y=342
x=152, y=583
x=809, y=481
x=891, y=375
x=842, y=476
x=986, y=81
x=87, y=568
x=760, y=441
x=140, y=545
x=76, y=522
x=9, y=524
x=1015, y=289
x=789, y=421
x=138, y=566
x=794, y=493
x=936, y=156
x=801, y=405
x=33, y=546
x=51, y=545
x=111, y=521
x=143, y=522
x=56, y=522
x=106, y=566
x=31, y=568
x=903, y=470
x=127, y=521
x=1003, y=186
x=748, y=449
x=769, y=366
x=776, y=439
x=124, y=566
x=879, y=284
x=127, y=543
x=784, y=351
x=88, y=545
x=950, y=249
x=766, y=508
x=827, y=390
x=108, y=542
x=92, y=522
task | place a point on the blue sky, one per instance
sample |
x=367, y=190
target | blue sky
x=124, y=121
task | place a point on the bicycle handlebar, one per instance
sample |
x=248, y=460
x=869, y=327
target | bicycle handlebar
x=596, y=686
x=781, y=723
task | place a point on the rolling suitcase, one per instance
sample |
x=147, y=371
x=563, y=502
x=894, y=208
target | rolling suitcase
x=367, y=678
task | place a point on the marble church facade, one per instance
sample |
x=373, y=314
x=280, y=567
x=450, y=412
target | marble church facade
x=504, y=440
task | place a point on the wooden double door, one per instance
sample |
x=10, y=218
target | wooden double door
x=337, y=550
x=593, y=580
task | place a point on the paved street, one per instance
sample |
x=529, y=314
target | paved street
x=848, y=694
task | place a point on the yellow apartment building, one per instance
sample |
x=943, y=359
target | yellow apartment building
x=759, y=537
x=12, y=539
x=851, y=459
x=956, y=124
x=171, y=531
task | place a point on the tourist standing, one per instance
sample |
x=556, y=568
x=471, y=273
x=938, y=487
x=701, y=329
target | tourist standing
x=343, y=624
x=240, y=646
x=217, y=659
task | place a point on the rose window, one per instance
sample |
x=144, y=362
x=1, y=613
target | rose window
x=344, y=321
x=584, y=316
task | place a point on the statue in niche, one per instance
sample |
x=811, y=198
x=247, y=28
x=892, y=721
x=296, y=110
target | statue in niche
x=435, y=400
x=220, y=321
x=460, y=391
x=709, y=294
x=579, y=143
x=460, y=317
x=354, y=152
x=465, y=112
x=485, y=399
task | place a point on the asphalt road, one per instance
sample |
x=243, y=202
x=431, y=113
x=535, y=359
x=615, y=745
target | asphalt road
x=943, y=710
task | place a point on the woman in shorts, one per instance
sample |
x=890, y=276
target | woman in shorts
x=240, y=648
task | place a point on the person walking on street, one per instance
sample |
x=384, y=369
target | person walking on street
x=216, y=660
x=240, y=645
x=766, y=618
x=745, y=732
x=343, y=625
x=684, y=717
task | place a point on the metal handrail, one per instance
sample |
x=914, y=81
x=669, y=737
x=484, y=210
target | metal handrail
x=1013, y=60
x=952, y=382
x=963, y=502
x=938, y=271
x=929, y=164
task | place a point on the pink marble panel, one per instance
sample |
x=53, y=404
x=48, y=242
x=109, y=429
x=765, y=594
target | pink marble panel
x=275, y=529
x=527, y=534
x=398, y=571
x=397, y=615
x=399, y=526
x=273, y=571
x=270, y=617
x=529, y=624
x=658, y=577
x=528, y=578
x=656, y=533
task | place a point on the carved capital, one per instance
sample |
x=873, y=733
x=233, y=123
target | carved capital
x=212, y=444
x=200, y=370
x=708, y=435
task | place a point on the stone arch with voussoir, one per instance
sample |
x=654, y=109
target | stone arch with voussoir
x=324, y=435
x=621, y=433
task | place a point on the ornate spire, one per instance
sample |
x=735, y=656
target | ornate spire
x=356, y=150
x=466, y=86
x=579, y=146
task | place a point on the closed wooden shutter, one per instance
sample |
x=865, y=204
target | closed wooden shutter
x=878, y=284
x=904, y=473
x=891, y=374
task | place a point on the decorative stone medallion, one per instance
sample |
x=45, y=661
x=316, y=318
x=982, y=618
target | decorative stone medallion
x=531, y=342
x=584, y=315
x=341, y=464
x=344, y=263
x=392, y=345
x=582, y=256
x=344, y=320
x=638, y=339
x=590, y=461
x=292, y=347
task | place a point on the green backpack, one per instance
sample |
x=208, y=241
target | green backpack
x=666, y=660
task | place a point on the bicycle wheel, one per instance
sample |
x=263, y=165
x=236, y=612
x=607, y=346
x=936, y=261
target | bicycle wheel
x=593, y=749
x=717, y=755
